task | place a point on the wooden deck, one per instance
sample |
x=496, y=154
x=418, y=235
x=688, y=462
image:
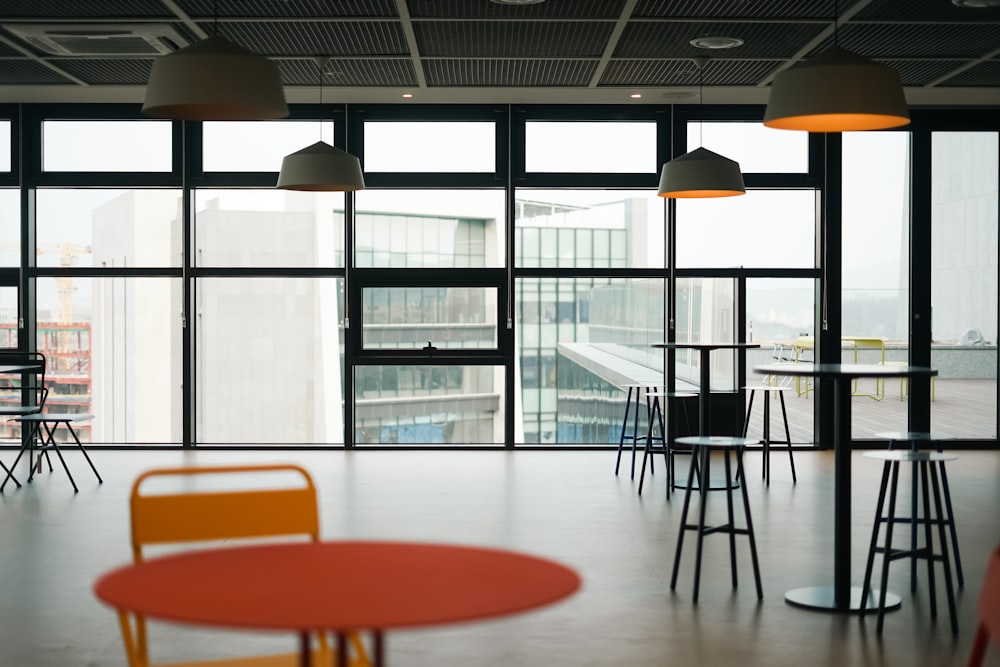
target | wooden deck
x=964, y=409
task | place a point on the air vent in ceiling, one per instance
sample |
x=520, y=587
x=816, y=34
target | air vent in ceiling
x=122, y=39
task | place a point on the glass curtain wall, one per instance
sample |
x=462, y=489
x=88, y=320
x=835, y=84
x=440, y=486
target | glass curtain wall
x=501, y=278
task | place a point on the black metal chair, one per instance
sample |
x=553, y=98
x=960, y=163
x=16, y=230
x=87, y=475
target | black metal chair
x=22, y=392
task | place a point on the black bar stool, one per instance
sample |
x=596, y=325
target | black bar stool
x=925, y=467
x=656, y=404
x=633, y=404
x=914, y=438
x=702, y=447
x=766, y=440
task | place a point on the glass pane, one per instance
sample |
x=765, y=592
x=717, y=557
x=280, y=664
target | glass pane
x=5, y=145
x=603, y=147
x=8, y=317
x=876, y=265
x=451, y=147
x=258, y=145
x=780, y=311
x=429, y=228
x=964, y=205
x=269, y=361
x=450, y=405
x=876, y=236
x=762, y=229
x=706, y=313
x=444, y=317
x=757, y=148
x=269, y=228
x=577, y=341
x=106, y=145
x=10, y=227
x=114, y=350
x=589, y=228
x=109, y=228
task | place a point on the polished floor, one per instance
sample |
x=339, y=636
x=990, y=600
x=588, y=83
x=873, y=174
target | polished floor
x=565, y=505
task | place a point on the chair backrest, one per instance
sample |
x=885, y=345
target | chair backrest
x=989, y=611
x=200, y=515
x=26, y=395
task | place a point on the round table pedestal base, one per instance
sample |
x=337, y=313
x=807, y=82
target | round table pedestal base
x=821, y=598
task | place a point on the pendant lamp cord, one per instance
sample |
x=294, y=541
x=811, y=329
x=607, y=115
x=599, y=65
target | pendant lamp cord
x=836, y=20
x=215, y=18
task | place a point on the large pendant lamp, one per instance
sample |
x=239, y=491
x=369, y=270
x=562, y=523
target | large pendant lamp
x=214, y=79
x=836, y=91
x=701, y=173
x=321, y=167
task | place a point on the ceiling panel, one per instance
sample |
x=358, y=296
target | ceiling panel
x=580, y=49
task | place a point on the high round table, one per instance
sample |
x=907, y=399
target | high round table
x=705, y=352
x=841, y=597
x=336, y=586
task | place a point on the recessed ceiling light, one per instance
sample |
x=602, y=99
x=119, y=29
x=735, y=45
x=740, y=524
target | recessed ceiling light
x=976, y=4
x=636, y=96
x=407, y=95
x=716, y=42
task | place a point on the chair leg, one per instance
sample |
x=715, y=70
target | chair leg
x=945, y=560
x=621, y=437
x=729, y=515
x=749, y=529
x=887, y=555
x=950, y=520
x=684, y=514
x=788, y=435
x=873, y=545
x=928, y=550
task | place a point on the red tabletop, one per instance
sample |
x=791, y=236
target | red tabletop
x=336, y=585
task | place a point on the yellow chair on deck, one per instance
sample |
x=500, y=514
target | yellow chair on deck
x=249, y=511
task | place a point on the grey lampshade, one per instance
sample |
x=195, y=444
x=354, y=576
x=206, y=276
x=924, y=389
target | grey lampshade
x=214, y=79
x=321, y=167
x=836, y=91
x=701, y=173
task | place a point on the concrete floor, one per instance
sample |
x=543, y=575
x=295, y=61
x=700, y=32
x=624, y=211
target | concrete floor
x=564, y=505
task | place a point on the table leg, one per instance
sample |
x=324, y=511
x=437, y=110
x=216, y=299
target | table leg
x=704, y=409
x=841, y=597
x=305, y=650
x=378, y=649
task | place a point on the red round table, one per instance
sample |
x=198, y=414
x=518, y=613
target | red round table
x=336, y=586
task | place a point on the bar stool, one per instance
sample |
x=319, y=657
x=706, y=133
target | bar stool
x=702, y=447
x=655, y=408
x=914, y=438
x=890, y=476
x=766, y=441
x=633, y=403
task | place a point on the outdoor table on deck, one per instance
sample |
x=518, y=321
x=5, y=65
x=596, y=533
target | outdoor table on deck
x=336, y=586
x=841, y=597
x=704, y=389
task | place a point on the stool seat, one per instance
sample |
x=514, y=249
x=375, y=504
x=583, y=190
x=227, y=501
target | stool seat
x=702, y=448
x=713, y=441
x=899, y=455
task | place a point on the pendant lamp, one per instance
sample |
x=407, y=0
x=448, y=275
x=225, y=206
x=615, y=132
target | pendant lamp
x=321, y=167
x=214, y=79
x=836, y=91
x=701, y=173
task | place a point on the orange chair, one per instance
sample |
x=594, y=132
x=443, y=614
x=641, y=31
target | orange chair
x=989, y=612
x=242, y=513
